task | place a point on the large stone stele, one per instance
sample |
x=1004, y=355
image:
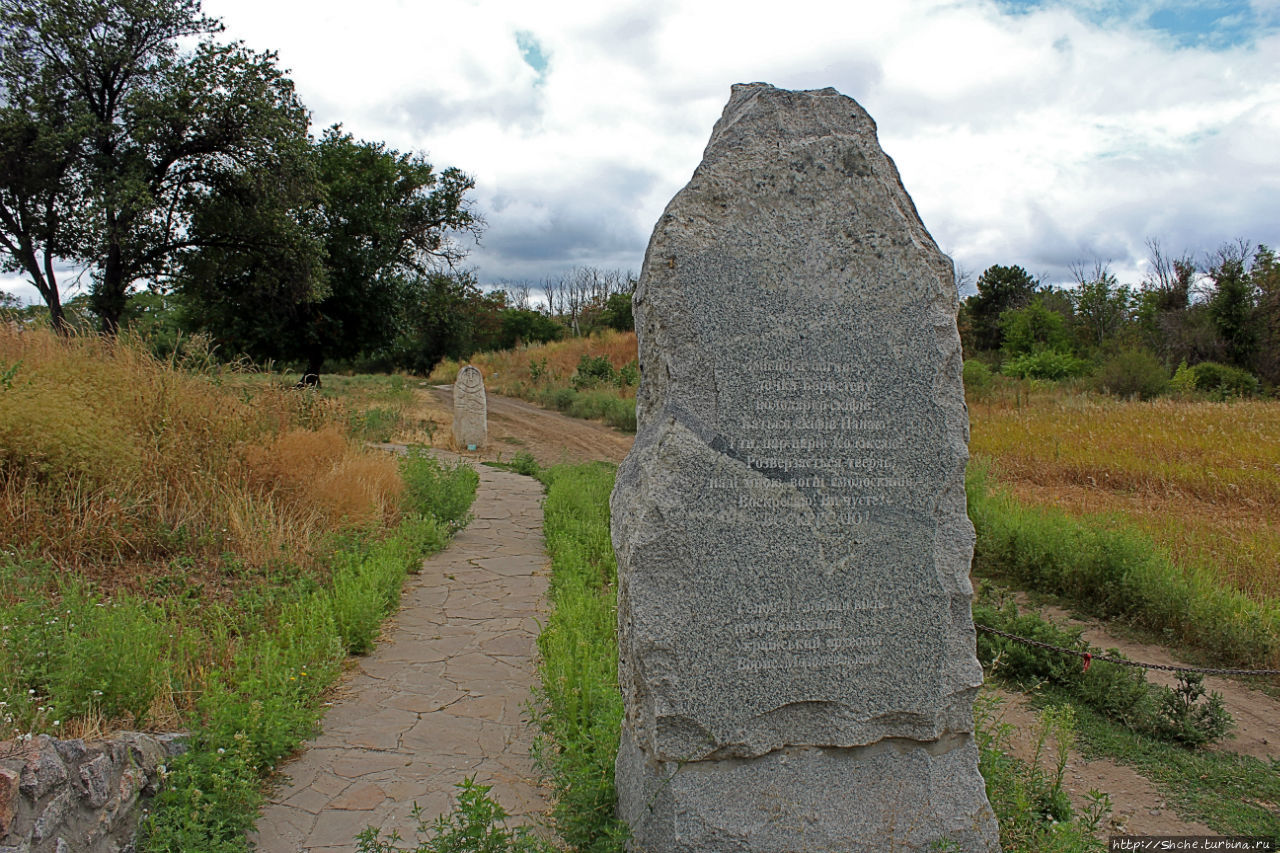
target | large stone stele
x=796, y=643
x=470, y=410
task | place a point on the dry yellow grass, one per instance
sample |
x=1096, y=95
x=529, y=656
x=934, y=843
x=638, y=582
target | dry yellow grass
x=510, y=372
x=110, y=459
x=1203, y=479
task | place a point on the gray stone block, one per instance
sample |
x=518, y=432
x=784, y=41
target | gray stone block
x=790, y=525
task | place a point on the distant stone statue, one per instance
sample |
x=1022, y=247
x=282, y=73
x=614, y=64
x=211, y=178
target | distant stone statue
x=470, y=410
x=796, y=647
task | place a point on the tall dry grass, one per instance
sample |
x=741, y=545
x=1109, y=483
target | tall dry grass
x=111, y=462
x=1201, y=478
x=521, y=372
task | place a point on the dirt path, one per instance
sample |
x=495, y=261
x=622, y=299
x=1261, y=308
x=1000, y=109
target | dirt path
x=441, y=698
x=1257, y=715
x=551, y=437
x=1138, y=808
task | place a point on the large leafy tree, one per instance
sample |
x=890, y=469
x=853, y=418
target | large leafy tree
x=113, y=134
x=354, y=257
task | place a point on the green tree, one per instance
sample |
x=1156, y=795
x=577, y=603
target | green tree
x=1266, y=282
x=339, y=273
x=1103, y=306
x=1033, y=329
x=117, y=133
x=1000, y=289
x=618, y=314
x=1168, y=322
x=1233, y=303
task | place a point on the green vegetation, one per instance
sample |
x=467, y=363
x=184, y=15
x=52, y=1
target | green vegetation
x=265, y=700
x=578, y=702
x=1221, y=316
x=1116, y=572
x=1031, y=806
x=1120, y=693
x=478, y=824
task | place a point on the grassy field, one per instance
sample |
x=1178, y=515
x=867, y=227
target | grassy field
x=188, y=548
x=1202, y=479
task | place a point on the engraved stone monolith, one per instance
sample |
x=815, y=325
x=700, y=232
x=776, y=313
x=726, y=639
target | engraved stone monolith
x=470, y=410
x=796, y=642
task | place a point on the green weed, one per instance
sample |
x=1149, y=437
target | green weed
x=478, y=824
x=438, y=491
x=1030, y=805
x=579, y=707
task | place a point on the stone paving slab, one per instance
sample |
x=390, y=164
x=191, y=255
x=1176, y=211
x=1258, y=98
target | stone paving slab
x=443, y=696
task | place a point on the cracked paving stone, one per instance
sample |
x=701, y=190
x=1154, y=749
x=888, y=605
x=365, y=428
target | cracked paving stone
x=442, y=698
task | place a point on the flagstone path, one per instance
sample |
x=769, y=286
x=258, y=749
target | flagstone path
x=442, y=697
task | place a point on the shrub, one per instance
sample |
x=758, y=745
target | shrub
x=628, y=375
x=977, y=376
x=593, y=370
x=1132, y=373
x=1220, y=381
x=1046, y=364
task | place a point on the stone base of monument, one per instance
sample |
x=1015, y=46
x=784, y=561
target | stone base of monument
x=895, y=795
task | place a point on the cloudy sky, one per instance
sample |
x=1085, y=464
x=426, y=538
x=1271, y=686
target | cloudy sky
x=1037, y=132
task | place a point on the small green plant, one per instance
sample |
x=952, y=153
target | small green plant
x=538, y=369
x=1033, y=812
x=524, y=463
x=477, y=824
x=593, y=371
x=628, y=375
x=7, y=374
x=1184, y=718
x=1058, y=723
x=439, y=491
x=1046, y=364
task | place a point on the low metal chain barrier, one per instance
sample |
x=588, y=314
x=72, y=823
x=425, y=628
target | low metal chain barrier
x=1089, y=657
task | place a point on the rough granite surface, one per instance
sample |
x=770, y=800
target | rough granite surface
x=470, y=409
x=790, y=526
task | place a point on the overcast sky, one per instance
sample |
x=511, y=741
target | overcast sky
x=1033, y=133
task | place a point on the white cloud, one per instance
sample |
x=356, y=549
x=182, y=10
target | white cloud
x=1034, y=138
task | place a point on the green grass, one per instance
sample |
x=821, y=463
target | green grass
x=578, y=702
x=1231, y=794
x=262, y=703
x=1116, y=572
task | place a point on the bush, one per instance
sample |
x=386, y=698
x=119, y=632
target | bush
x=1219, y=381
x=593, y=370
x=977, y=376
x=1118, y=692
x=1046, y=364
x=1132, y=373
